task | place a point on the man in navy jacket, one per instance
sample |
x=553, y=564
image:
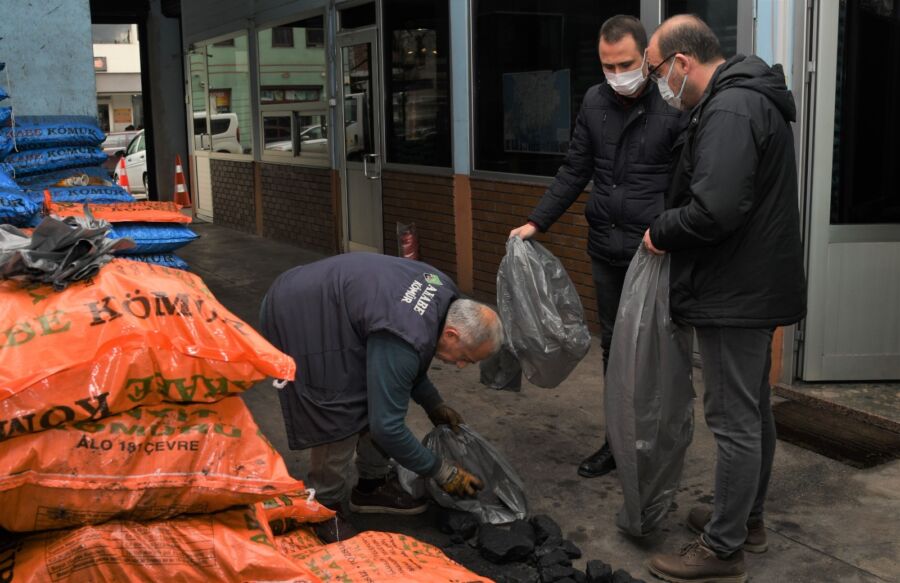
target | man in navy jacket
x=622, y=141
x=363, y=329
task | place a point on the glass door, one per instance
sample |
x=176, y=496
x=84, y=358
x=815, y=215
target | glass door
x=852, y=328
x=201, y=144
x=360, y=151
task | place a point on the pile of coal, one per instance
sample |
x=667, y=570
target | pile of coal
x=531, y=551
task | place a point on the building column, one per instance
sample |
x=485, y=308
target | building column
x=461, y=84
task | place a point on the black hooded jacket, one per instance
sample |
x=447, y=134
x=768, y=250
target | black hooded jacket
x=628, y=153
x=733, y=224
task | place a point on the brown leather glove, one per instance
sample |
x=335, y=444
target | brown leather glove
x=444, y=414
x=460, y=482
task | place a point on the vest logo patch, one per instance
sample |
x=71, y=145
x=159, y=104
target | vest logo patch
x=432, y=279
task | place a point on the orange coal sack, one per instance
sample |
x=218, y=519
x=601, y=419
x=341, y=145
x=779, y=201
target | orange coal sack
x=146, y=211
x=288, y=511
x=380, y=557
x=136, y=334
x=230, y=546
x=299, y=543
x=148, y=463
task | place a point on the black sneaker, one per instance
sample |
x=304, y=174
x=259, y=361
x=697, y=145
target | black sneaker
x=387, y=498
x=335, y=529
x=598, y=464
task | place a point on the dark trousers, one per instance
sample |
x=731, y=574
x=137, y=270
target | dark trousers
x=608, y=282
x=739, y=413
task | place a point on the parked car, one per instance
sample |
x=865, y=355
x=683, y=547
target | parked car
x=114, y=147
x=224, y=133
x=313, y=138
x=135, y=166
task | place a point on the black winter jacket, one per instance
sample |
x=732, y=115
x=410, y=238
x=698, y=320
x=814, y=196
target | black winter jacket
x=628, y=153
x=733, y=227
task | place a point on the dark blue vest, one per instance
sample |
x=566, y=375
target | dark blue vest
x=321, y=314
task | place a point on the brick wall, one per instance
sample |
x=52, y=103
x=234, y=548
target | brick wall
x=297, y=206
x=427, y=201
x=497, y=208
x=232, y=192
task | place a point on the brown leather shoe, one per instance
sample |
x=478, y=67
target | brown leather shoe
x=756, y=541
x=697, y=563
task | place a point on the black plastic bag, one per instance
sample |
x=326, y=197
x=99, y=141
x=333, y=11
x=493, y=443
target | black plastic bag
x=502, y=371
x=503, y=498
x=649, y=395
x=541, y=313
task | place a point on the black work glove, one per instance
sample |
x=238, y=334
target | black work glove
x=444, y=414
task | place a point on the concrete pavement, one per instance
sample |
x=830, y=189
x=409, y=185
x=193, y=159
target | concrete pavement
x=827, y=521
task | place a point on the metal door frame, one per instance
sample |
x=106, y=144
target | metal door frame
x=345, y=39
x=199, y=47
x=819, y=232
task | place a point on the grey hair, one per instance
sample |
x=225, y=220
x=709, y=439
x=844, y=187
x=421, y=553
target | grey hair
x=475, y=325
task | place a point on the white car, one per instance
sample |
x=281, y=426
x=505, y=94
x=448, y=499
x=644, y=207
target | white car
x=224, y=133
x=135, y=166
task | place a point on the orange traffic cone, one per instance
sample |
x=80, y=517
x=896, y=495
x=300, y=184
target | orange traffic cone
x=123, y=175
x=182, y=196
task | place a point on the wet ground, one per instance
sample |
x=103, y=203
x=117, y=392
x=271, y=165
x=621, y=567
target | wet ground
x=826, y=521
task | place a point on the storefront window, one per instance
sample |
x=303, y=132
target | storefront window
x=417, y=82
x=720, y=15
x=228, y=71
x=534, y=61
x=865, y=184
x=292, y=90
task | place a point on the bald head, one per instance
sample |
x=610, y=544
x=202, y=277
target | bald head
x=689, y=35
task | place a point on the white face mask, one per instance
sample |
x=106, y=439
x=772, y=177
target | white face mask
x=666, y=92
x=627, y=83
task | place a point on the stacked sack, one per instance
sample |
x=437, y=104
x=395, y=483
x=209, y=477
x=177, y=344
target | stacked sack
x=119, y=402
x=126, y=453
x=157, y=228
x=60, y=153
x=16, y=207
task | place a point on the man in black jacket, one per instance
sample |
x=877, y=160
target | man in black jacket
x=623, y=140
x=733, y=229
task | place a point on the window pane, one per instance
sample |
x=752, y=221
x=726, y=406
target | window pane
x=111, y=34
x=534, y=61
x=865, y=185
x=277, y=133
x=720, y=15
x=229, y=96
x=358, y=88
x=312, y=134
x=282, y=36
x=417, y=79
x=295, y=74
x=199, y=125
